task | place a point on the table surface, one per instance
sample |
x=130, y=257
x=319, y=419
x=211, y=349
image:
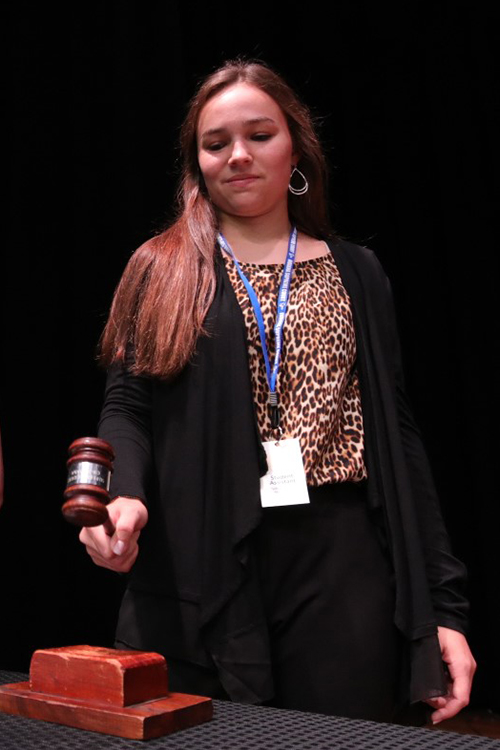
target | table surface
x=236, y=727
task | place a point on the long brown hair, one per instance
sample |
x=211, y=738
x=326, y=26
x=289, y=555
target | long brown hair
x=168, y=285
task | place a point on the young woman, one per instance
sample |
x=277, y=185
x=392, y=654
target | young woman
x=291, y=545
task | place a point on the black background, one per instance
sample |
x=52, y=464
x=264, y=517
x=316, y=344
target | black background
x=403, y=96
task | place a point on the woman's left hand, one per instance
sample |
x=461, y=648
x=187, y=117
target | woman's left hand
x=461, y=665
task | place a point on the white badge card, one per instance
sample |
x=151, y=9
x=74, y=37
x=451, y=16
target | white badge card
x=285, y=481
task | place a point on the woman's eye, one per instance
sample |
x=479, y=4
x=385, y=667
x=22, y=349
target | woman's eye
x=261, y=136
x=217, y=146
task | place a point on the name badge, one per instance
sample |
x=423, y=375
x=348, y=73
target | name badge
x=285, y=481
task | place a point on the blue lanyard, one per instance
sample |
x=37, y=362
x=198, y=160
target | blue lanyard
x=282, y=306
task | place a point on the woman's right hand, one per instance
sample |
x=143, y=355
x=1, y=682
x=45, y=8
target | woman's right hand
x=114, y=544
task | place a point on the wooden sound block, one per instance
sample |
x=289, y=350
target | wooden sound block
x=106, y=675
x=92, y=688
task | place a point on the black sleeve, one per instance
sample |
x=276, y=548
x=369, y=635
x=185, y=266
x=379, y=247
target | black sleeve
x=446, y=575
x=126, y=423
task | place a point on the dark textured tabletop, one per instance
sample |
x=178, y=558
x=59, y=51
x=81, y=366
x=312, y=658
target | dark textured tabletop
x=237, y=727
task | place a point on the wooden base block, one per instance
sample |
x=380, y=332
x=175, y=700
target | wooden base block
x=142, y=721
x=124, y=693
x=102, y=675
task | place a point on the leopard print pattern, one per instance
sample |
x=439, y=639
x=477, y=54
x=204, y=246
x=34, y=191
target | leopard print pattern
x=318, y=387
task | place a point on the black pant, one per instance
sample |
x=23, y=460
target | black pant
x=329, y=599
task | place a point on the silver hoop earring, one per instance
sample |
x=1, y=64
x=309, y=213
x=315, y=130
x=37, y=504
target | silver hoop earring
x=298, y=191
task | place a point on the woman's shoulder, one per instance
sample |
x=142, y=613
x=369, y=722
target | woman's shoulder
x=350, y=250
x=359, y=259
x=365, y=281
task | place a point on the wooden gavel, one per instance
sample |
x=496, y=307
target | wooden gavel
x=90, y=465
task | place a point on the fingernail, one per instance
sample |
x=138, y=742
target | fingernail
x=119, y=547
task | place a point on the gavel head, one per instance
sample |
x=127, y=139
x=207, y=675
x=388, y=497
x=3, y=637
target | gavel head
x=90, y=465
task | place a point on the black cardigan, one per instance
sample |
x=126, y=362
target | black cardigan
x=190, y=449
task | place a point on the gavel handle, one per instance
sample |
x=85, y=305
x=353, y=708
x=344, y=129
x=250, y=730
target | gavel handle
x=108, y=527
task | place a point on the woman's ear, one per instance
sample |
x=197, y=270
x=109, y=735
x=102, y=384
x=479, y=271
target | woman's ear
x=295, y=158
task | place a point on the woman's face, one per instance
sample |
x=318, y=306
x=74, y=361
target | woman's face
x=245, y=152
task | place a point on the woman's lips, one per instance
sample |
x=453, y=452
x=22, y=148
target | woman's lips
x=242, y=180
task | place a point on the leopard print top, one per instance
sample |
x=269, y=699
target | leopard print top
x=318, y=387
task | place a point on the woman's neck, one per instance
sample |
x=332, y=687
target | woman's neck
x=257, y=240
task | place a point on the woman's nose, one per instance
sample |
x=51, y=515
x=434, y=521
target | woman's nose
x=239, y=153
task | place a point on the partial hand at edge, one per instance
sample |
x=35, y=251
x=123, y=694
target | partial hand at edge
x=461, y=665
x=114, y=545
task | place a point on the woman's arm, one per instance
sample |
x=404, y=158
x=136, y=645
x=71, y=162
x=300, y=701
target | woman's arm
x=445, y=573
x=126, y=424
